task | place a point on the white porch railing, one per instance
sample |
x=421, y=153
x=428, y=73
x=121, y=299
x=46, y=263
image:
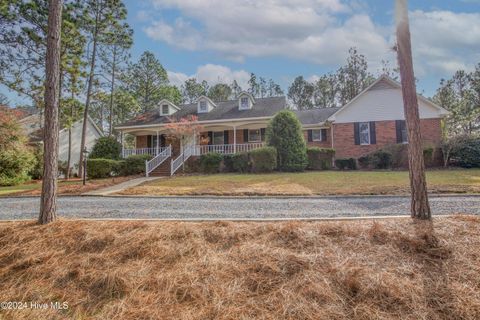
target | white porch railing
x=227, y=148
x=151, y=151
x=188, y=151
x=158, y=160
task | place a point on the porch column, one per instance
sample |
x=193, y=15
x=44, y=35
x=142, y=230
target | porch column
x=157, y=144
x=234, y=139
x=123, y=145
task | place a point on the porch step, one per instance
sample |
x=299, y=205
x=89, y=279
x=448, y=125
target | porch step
x=162, y=170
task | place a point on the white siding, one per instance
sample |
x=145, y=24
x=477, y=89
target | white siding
x=92, y=136
x=381, y=104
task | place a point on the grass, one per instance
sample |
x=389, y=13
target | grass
x=311, y=183
x=392, y=269
x=71, y=187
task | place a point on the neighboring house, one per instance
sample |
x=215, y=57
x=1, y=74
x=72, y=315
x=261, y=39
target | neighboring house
x=32, y=125
x=373, y=119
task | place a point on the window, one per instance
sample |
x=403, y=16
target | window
x=218, y=137
x=402, y=132
x=364, y=131
x=254, y=135
x=203, y=105
x=165, y=109
x=244, y=103
x=317, y=135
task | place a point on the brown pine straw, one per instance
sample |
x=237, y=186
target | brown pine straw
x=390, y=269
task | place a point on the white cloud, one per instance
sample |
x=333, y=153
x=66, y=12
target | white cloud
x=213, y=74
x=316, y=31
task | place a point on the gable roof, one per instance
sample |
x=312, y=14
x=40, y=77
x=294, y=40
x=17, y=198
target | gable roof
x=385, y=82
x=315, y=116
x=38, y=135
x=225, y=110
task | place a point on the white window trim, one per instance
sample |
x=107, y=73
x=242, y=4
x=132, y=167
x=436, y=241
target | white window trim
x=213, y=137
x=259, y=135
x=248, y=103
x=168, y=109
x=321, y=137
x=360, y=133
x=200, y=106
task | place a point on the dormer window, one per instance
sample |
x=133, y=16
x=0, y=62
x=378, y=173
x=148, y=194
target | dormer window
x=203, y=106
x=165, y=109
x=244, y=103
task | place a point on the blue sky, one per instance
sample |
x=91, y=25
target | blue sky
x=219, y=40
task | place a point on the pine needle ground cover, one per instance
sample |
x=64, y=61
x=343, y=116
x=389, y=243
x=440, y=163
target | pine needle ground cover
x=383, y=269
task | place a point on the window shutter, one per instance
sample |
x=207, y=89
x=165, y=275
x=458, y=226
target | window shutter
x=210, y=137
x=324, y=134
x=245, y=135
x=373, y=136
x=398, y=127
x=310, y=135
x=262, y=133
x=149, y=141
x=356, y=132
x=225, y=137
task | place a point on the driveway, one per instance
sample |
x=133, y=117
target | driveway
x=206, y=208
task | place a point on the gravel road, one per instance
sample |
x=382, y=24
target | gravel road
x=190, y=208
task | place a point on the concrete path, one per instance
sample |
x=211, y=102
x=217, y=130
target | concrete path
x=120, y=187
x=218, y=208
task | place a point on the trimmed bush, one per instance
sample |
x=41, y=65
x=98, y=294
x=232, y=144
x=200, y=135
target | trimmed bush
x=381, y=159
x=284, y=133
x=364, y=162
x=103, y=168
x=210, y=162
x=106, y=148
x=466, y=153
x=320, y=158
x=263, y=159
x=346, y=163
x=238, y=162
x=15, y=164
x=135, y=164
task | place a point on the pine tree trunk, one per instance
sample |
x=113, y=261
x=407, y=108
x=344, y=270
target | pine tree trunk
x=112, y=89
x=420, y=207
x=48, y=201
x=89, y=92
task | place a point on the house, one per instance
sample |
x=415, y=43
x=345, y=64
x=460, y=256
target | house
x=370, y=121
x=33, y=127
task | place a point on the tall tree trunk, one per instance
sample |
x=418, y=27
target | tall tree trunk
x=420, y=207
x=89, y=92
x=48, y=201
x=69, y=157
x=112, y=89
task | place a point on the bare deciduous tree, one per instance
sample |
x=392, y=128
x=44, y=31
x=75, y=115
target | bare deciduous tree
x=48, y=202
x=420, y=207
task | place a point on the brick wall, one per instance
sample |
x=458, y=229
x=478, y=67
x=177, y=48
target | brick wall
x=321, y=144
x=142, y=142
x=344, y=143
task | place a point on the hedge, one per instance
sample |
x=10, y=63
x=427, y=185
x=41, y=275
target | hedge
x=135, y=164
x=15, y=164
x=320, y=158
x=381, y=159
x=263, y=159
x=346, y=163
x=210, y=162
x=104, y=168
x=106, y=148
x=466, y=152
x=238, y=162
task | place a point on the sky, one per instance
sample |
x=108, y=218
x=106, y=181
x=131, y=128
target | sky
x=223, y=40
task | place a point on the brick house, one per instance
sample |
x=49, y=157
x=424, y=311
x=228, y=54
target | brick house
x=373, y=119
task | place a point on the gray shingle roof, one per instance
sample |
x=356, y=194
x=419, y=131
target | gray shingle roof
x=227, y=110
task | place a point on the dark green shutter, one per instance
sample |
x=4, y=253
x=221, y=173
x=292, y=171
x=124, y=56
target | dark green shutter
x=245, y=135
x=310, y=135
x=210, y=137
x=373, y=135
x=149, y=141
x=225, y=137
x=262, y=133
x=356, y=132
x=398, y=127
x=324, y=134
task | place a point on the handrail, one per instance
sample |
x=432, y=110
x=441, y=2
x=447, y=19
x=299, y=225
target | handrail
x=188, y=151
x=158, y=160
x=227, y=148
x=152, y=151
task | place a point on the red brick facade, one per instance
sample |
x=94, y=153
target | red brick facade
x=321, y=144
x=344, y=141
x=142, y=142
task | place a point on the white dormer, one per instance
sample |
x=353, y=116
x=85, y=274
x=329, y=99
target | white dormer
x=167, y=108
x=245, y=101
x=205, y=105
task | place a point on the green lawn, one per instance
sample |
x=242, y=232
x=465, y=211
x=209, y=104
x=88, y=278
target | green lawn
x=29, y=187
x=311, y=183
